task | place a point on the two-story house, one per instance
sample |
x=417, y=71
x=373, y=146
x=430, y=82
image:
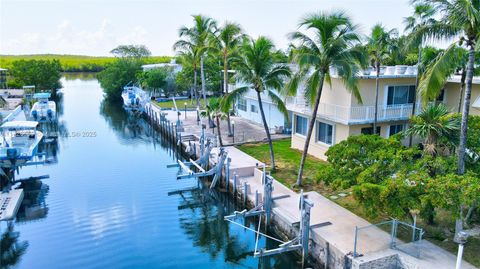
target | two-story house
x=340, y=114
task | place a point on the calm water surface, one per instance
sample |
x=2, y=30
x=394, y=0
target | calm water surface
x=106, y=203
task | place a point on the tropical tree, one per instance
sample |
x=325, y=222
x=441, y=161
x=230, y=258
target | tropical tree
x=432, y=124
x=154, y=79
x=214, y=110
x=227, y=42
x=118, y=74
x=196, y=41
x=423, y=13
x=329, y=40
x=44, y=74
x=131, y=51
x=379, y=50
x=460, y=20
x=257, y=69
x=189, y=55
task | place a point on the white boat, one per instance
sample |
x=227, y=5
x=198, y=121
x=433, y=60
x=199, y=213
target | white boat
x=19, y=143
x=134, y=98
x=43, y=110
x=10, y=202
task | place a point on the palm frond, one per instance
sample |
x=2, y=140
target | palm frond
x=436, y=75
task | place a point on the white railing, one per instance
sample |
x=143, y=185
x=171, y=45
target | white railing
x=13, y=114
x=354, y=114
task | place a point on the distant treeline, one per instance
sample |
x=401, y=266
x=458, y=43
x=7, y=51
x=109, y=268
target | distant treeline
x=75, y=63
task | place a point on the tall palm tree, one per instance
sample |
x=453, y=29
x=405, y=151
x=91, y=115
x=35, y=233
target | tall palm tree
x=432, y=124
x=258, y=70
x=215, y=110
x=379, y=50
x=196, y=40
x=188, y=53
x=422, y=14
x=460, y=20
x=227, y=42
x=329, y=40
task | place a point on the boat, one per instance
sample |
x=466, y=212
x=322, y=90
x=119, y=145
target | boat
x=19, y=143
x=134, y=98
x=10, y=202
x=43, y=110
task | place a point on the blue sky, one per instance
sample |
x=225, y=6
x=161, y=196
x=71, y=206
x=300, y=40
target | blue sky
x=95, y=27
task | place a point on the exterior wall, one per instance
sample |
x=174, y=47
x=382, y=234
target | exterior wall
x=340, y=132
x=367, y=90
x=273, y=116
x=452, y=97
x=316, y=148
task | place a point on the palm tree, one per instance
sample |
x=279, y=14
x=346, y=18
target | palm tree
x=188, y=53
x=422, y=14
x=196, y=41
x=460, y=20
x=258, y=70
x=227, y=43
x=215, y=110
x=379, y=50
x=433, y=124
x=334, y=42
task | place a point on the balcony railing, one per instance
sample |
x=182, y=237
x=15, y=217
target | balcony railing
x=355, y=114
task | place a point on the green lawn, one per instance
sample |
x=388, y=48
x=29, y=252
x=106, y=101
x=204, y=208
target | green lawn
x=288, y=161
x=181, y=104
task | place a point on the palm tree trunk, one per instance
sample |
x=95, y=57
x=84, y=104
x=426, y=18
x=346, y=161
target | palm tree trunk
x=202, y=76
x=195, y=85
x=311, y=126
x=267, y=131
x=414, y=105
x=219, y=132
x=462, y=88
x=466, y=107
x=377, y=66
x=225, y=87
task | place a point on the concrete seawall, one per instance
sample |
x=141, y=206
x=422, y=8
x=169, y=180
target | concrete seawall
x=332, y=234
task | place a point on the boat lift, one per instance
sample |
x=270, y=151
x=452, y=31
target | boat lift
x=300, y=242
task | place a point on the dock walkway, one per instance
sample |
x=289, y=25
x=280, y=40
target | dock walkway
x=333, y=227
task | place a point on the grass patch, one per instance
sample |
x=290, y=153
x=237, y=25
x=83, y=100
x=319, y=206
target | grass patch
x=181, y=104
x=288, y=162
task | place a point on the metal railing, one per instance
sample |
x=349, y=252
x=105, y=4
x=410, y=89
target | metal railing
x=354, y=114
x=392, y=234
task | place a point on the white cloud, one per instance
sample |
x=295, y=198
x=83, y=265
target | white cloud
x=69, y=39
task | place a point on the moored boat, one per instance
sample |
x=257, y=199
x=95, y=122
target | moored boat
x=43, y=110
x=19, y=143
x=133, y=97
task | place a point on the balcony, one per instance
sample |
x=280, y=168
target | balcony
x=354, y=114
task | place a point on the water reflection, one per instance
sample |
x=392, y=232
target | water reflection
x=12, y=248
x=202, y=213
x=109, y=195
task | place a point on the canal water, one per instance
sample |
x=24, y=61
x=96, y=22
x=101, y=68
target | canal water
x=107, y=203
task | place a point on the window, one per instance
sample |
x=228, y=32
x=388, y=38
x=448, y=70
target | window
x=399, y=95
x=369, y=130
x=242, y=104
x=325, y=133
x=395, y=129
x=441, y=96
x=254, y=108
x=301, y=125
